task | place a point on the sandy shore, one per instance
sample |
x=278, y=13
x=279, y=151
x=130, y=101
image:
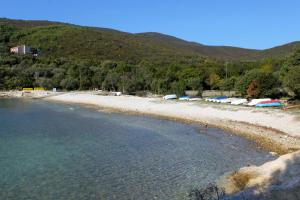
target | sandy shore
x=30, y=94
x=273, y=129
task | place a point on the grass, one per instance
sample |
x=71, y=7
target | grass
x=239, y=181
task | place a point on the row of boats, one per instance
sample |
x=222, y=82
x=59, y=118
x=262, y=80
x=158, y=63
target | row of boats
x=263, y=102
x=183, y=98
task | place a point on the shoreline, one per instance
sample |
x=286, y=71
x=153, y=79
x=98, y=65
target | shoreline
x=268, y=180
x=268, y=138
x=252, y=181
x=247, y=131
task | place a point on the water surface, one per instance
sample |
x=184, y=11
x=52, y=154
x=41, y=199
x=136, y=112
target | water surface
x=53, y=151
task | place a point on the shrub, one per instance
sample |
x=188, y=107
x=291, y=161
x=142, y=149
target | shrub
x=257, y=83
x=210, y=192
x=290, y=74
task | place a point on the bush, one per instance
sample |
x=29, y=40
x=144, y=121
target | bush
x=292, y=80
x=211, y=192
x=252, y=90
x=257, y=83
x=70, y=84
x=228, y=84
x=290, y=74
x=45, y=83
x=178, y=88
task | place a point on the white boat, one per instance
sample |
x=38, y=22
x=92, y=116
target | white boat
x=228, y=100
x=253, y=102
x=239, y=101
x=195, y=99
x=184, y=98
x=220, y=99
x=116, y=93
x=170, y=97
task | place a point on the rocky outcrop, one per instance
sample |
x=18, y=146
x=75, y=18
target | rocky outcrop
x=276, y=180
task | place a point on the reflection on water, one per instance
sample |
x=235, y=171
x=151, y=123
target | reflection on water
x=52, y=151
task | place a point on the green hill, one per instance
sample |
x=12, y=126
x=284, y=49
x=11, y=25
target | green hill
x=61, y=40
x=76, y=57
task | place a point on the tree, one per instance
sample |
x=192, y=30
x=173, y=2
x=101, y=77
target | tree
x=291, y=80
x=290, y=74
x=252, y=90
x=98, y=77
x=267, y=68
x=265, y=83
x=214, y=81
x=178, y=88
x=111, y=81
x=58, y=76
x=85, y=77
x=228, y=84
x=23, y=80
x=70, y=83
x=45, y=83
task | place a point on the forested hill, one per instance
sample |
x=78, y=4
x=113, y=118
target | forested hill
x=73, y=57
x=64, y=40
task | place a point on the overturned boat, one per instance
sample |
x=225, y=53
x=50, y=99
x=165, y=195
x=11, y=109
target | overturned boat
x=239, y=101
x=184, y=98
x=270, y=103
x=170, y=97
x=253, y=102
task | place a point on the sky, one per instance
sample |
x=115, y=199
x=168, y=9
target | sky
x=256, y=24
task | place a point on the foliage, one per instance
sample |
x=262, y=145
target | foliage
x=257, y=83
x=290, y=73
x=252, y=90
x=228, y=84
x=81, y=58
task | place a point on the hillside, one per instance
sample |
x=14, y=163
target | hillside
x=60, y=39
x=209, y=51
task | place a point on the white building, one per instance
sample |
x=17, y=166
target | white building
x=22, y=49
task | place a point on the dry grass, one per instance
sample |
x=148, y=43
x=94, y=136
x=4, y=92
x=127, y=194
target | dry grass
x=240, y=180
x=237, y=182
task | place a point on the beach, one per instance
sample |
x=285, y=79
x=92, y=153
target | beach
x=275, y=130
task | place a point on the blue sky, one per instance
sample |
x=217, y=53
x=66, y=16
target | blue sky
x=257, y=24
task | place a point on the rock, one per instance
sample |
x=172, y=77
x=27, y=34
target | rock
x=278, y=179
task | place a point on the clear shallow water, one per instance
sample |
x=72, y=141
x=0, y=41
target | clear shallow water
x=53, y=151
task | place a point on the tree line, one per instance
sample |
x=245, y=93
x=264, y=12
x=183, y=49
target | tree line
x=269, y=78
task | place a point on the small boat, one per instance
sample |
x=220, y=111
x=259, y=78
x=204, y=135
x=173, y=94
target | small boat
x=239, y=101
x=228, y=100
x=270, y=101
x=184, y=98
x=116, y=93
x=208, y=99
x=218, y=99
x=272, y=104
x=195, y=99
x=170, y=97
x=253, y=102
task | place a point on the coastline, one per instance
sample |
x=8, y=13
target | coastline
x=272, y=180
x=265, y=134
x=273, y=130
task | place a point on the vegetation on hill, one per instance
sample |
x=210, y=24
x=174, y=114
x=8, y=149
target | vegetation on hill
x=73, y=57
x=70, y=40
